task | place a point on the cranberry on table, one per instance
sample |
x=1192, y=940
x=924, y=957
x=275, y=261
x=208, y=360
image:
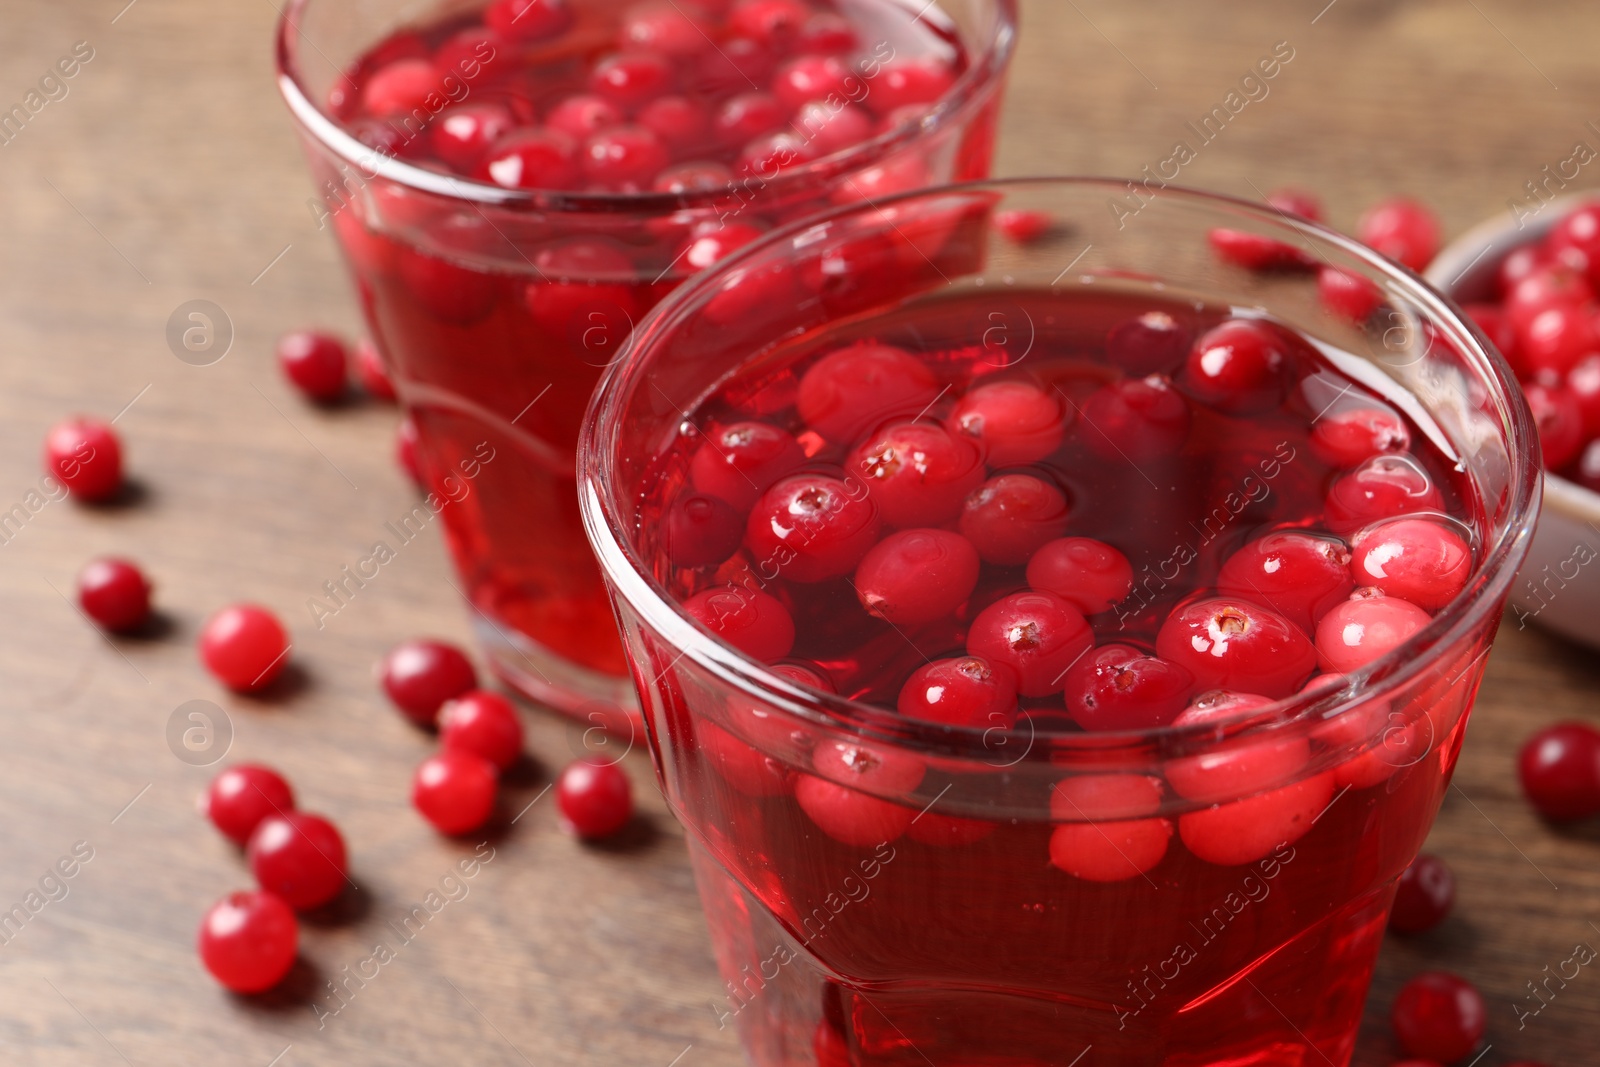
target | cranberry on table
x=248, y=941
x=1089, y=574
x=1439, y=1016
x=86, y=456
x=596, y=799
x=1559, y=769
x=241, y=796
x=114, y=593
x=1231, y=643
x=1401, y=229
x=483, y=723
x=1117, y=687
x=1424, y=896
x=846, y=391
x=315, y=363
x=1012, y=516
x=1239, y=367
x=963, y=691
x=1014, y=421
x=812, y=527
x=455, y=790
x=1023, y=226
x=1037, y=635
x=1254, y=251
x=298, y=856
x=917, y=576
x=371, y=373
x=1365, y=627
x=1422, y=561
x=420, y=675
x=244, y=646
x=751, y=621
x=917, y=473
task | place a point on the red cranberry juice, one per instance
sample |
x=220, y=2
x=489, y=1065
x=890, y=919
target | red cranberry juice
x=498, y=323
x=1121, y=513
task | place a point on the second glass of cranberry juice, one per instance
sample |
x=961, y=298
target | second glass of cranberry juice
x=515, y=184
x=1055, y=649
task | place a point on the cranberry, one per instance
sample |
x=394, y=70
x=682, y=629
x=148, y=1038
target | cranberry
x=1299, y=575
x=1151, y=343
x=298, y=856
x=1089, y=574
x=1254, y=251
x=751, y=621
x=450, y=292
x=624, y=156
x=462, y=134
x=1348, y=295
x=528, y=20
x=240, y=797
x=115, y=594
x=747, y=116
x=1555, y=339
x=964, y=691
x=812, y=527
x=1519, y=264
x=772, y=152
x=774, y=24
x=1104, y=797
x=1023, y=226
x=676, y=120
x=466, y=47
x=845, y=392
x=420, y=675
x=483, y=723
x=1117, y=687
x=1559, y=420
x=1230, y=643
x=248, y=941
x=827, y=32
x=1401, y=229
x=917, y=576
x=1365, y=627
x=583, y=284
x=749, y=294
x=1583, y=383
x=1496, y=325
x=454, y=791
x=401, y=87
x=1298, y=202
x=1244, y=831
x=740, y=461
x=1012, y=516
x=900, y=83
x=582, y=115
x=1110, y=851
x=1384, y=487
x=832, y=128
x=596, y=799
x=1419, y=560
x=1037, y=635
x=407, y=443
x=918, y=473
x=1576, y=238
x=1548, y=286
x=1235, y=769
x=371, y=373
x=693, y=178
x=244, y=646
x=85, y=454
x=315, y=363
x=1423, y=898
x=1438, y=1016
x=1016, y=422
x=700, y=530
x=1239, y=367
x=1136, y=419
x=837, y=803
x=532, y=158
x=811, y=77
x=1343, y=439
x=664, y=27
x=747, y=769
x=1560, y=771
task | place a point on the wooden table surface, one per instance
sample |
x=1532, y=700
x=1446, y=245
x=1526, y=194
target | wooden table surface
x=169, y=173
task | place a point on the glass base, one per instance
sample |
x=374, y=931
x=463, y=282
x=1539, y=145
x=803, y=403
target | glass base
x=604, y=701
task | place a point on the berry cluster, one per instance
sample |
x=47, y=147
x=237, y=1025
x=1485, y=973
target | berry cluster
x=319, y=364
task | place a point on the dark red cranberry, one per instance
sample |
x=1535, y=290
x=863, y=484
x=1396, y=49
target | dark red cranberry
x=401, y=88
x=1560, y=771
x=1023, y=226
x=1438, y=1016
x=1424, y=896
x=483, y=723
x=1342, y=439
x=1401, y=229
x=1254, y=251
x=918, y=473
x=85, y=454
x=845, y=392
x=700, y=530
x=775, y=24
x=455, y=790
x=1365, y=627
x=241, y=796
x=751, y=621
x=1136, y=420
x=596, y=799
x=371, y=373
x=298, y=856
x=1419, y=560
x=1089, y=574
x=1384, y=487
x=532, y=158
x=420, y=675
x=1151, y=343
x=1015, y=422
x=244, y=646
x=1350, y=296
x=115, y=594
x=917, y=576
x=1012, y=516
x=1239, y=367
x=1231, y=643
x=741, y=461
x=248, y=941
x=1036, y=635
x=964, y=691
x=315, y=363
x=1299, y=575
x=1560, y=423
x=528, y=20
x=1117, y=687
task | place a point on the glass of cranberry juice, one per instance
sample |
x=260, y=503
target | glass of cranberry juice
x=514, y=184
x=1055, y=644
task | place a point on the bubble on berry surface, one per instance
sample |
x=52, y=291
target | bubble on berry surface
x=199, y=733
x=199, y=332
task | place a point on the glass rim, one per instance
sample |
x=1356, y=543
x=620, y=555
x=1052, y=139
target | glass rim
x=1505, y=542
x=986, y=68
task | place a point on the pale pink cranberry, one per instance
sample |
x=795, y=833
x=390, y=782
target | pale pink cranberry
x=811, y=77
x=845, y=392
x=963, y=691
x=401, y=87
x=1136, y=420
x=1089, y=574
x=827, y=32
x=1299, y=575
x=531, y=159
x=812, y=527
x=679, y=122
x=584, y=114
x=1231, y=643
x=632, y=79
x=462, y=134
x=747, y=116
x=1560, y=423
x=832, y=129
x=1248, y=830
x=771, y=153
x=1012, y=516
x=918, y=473
x=693, y=177
x=1343, y=439
x=1239, y=367
x=1238, y=768
x=1368, y=626
x=1254, y=251
x=1109, y=851
x=924, y=80
x=840, y=798
x=705, y=248
x=917, y=576
x=1401, y=229
x=751, y=621
x=1103, y=797
x=1418, y=560
x=623, y=156
x=1299, y=202
x=1117, y=687
x=1037, y=635
x=1383, y=487
x=1014, y=421
x=1348, y=295
x=665, y=27
x=1023, y=226
x=1151, y=343
x=528, y=20
x=740, y=461
x=1555, y=339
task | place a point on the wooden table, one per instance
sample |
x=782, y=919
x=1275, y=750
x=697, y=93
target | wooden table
x=169, y=173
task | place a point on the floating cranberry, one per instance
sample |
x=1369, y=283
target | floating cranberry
x=693, y=178
x=1254, y=251
x=402, y=87
x=845, y=392
x=315, y=363
x=1037, y=635
x=830, y=128
x=964, y=691
x=812, y=527
x=664, y=27
x=1438, y=1016
x=596, y=799
x=450, y=292
x=1299, y=575
x=1350, y=296
x=241, y=796
x=248, y=941
x=751, y=621
x=455, y=790
x=298, y=856
x=917, y=576
x=1023, y=226
x=1401, y=229
x=1559, y=420
x=1239, y=367
x=826, y=31
x=677, y=121
x=918, y=473
x=1231, y=643
x=1089, y=574
x=371, y=373
x=244, y=646
x=85, y=454
x=841, y=800
x=1554, y=340
x=740, y=461
x=528, y=20
x=1012, y=516
x=1548, y=286
x=483, y=723
x=532, y=158
x=420, y=675
x=1236, y=768
x=623, y=156
x=1424, y=896
x=1248, y=830
x=1117, y=687
x=462, y=134
x=1559, y=768
x=1136, y=420
x=775, y=24
x=1583, y=383
x=749, y=295
x=1384, y=487
x=1365, y=627
x=747, y=116
x=1151, y=343
x=812, y=77
x=583, y=285
x=114, y=593
x=1345, y=438
x=583, y=114
x=1014, y=421
x=700, y=530
x=1419, y=560
x=770, y=153
x=924, y=80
